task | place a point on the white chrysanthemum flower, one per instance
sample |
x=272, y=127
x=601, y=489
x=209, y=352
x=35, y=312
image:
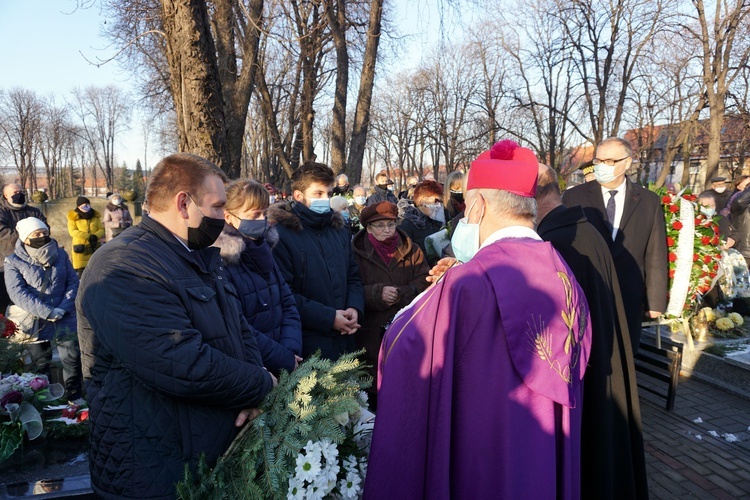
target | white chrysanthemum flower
x=736, y=318
x=324, y=484
x=315, y=493
x=296, y=489
x=724, y=324
x=351, y=486
x=313, y=448
x=329, y=450
x=308, y=466
x=709, y=313
x=350, y=463
x=363, y=468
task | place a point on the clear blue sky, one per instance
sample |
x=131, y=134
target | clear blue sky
x=44, y=45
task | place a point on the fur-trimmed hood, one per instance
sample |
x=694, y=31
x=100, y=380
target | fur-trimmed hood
x=231, y=243
x=286, y=214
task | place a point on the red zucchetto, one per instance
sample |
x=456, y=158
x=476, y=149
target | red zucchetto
x=506, y=166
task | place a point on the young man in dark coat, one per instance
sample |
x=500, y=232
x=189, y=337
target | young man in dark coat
x=12, y=209
x=383, y=189
x=631, y=220
x=171, y=367
x=315, y=256
x=612, y=455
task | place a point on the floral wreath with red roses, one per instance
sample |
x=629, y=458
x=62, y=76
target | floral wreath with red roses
x=706, y=247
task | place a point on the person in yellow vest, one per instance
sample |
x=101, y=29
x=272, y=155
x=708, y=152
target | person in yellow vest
x=86, y=228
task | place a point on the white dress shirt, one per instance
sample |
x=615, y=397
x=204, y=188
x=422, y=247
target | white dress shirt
x=619, y=204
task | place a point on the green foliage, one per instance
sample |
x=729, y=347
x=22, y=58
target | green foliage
x=139, y=184
x=11, y=437
x=124, y=179
x=303, y=407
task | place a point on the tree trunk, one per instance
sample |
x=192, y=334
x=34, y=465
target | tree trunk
x=364, y=100
x=194, y=81
x=336, y=15
x=715, y=123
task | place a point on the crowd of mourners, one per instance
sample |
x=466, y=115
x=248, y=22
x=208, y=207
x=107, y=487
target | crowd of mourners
x=498, y=315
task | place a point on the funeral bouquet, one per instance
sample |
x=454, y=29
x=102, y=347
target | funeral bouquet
x=722, y=324
x=694, y=252
x=311, y=440
x=21, y=399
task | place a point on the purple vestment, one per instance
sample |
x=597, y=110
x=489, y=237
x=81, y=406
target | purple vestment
x=480, y=382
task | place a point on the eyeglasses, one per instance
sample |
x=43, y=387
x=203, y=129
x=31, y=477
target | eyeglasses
x=609, y=163
x=383, y=225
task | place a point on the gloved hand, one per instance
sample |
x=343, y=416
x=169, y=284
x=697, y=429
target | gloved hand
x=93, y=240
x=57, y=314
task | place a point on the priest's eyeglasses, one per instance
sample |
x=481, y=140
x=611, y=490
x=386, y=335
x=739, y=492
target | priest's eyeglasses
x=609, y=163
x=383, y=225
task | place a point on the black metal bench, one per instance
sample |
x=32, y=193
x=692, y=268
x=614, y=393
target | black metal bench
x=663, y=364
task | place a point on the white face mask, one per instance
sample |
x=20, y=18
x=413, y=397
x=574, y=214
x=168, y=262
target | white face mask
x=720, y=189
x=436, y=212
x=272, y=199
x=360, y=200
x=604, y=174
x=465, y=240
x=708, y=211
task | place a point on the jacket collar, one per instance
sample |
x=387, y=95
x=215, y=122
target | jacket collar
x=205, y=259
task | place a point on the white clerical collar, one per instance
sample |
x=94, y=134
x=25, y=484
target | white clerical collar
x=511, y=232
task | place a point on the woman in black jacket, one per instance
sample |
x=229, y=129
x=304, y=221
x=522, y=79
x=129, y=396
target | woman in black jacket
x=267, y=303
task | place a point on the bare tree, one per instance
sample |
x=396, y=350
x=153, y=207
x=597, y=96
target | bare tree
x=20, y=125
x=54, y=144
x=724, y=50
x=103, y=113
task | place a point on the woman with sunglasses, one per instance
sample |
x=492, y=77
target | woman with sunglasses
x=267, y=302
x=394, y=271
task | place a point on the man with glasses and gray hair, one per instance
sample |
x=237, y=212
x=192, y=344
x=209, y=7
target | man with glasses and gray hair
x=631, y=219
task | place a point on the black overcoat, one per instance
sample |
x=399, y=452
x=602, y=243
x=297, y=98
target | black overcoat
x=639, y=249
x=612, y=455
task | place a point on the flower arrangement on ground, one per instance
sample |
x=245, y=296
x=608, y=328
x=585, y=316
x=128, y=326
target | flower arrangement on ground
x=311, y=439
x=722, y=324
x=692, y=267
x=22, y=397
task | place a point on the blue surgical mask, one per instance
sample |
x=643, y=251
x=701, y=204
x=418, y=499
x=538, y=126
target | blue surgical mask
x=465, y=240
x=320, y=205
x=708, y=211
x=360, y=200
x=254, y=229
x=604, y=174
x=345, y=215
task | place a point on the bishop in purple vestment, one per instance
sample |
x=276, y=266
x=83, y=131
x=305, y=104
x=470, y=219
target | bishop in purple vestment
x=480, y=378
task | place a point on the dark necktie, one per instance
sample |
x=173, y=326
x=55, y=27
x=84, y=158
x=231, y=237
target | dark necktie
x=611, y=208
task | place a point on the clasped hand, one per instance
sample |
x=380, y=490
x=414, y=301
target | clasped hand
x=346, y=321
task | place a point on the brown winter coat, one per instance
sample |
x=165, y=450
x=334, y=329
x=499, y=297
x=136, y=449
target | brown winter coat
x=407, y=271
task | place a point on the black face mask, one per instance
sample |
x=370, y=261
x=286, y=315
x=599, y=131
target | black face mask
x=39, y=242
x=18, y=199
x=206, y=233
x=459, y=197
x=383, y=186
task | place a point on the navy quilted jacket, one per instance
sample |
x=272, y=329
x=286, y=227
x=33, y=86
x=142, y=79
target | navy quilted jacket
x=316, y=259
x=168, y=361
x=267, y=302
x=23, y=280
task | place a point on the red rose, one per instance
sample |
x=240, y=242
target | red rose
x=712, y=275
x=716, y=229
x=705, y=240
x=707, y=259
x=696, y=257
x=677, y=225
x=672, y=256
x=11, y=397
x=670, y=241
x=666, y=199
x=698, y=221
x=674, y=208
x=671, y=273
x=715, y=240
x=83, y=416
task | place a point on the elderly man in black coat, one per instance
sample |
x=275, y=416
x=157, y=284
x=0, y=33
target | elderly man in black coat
x=171, y=367
x=631, y=220
x=612, y=452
